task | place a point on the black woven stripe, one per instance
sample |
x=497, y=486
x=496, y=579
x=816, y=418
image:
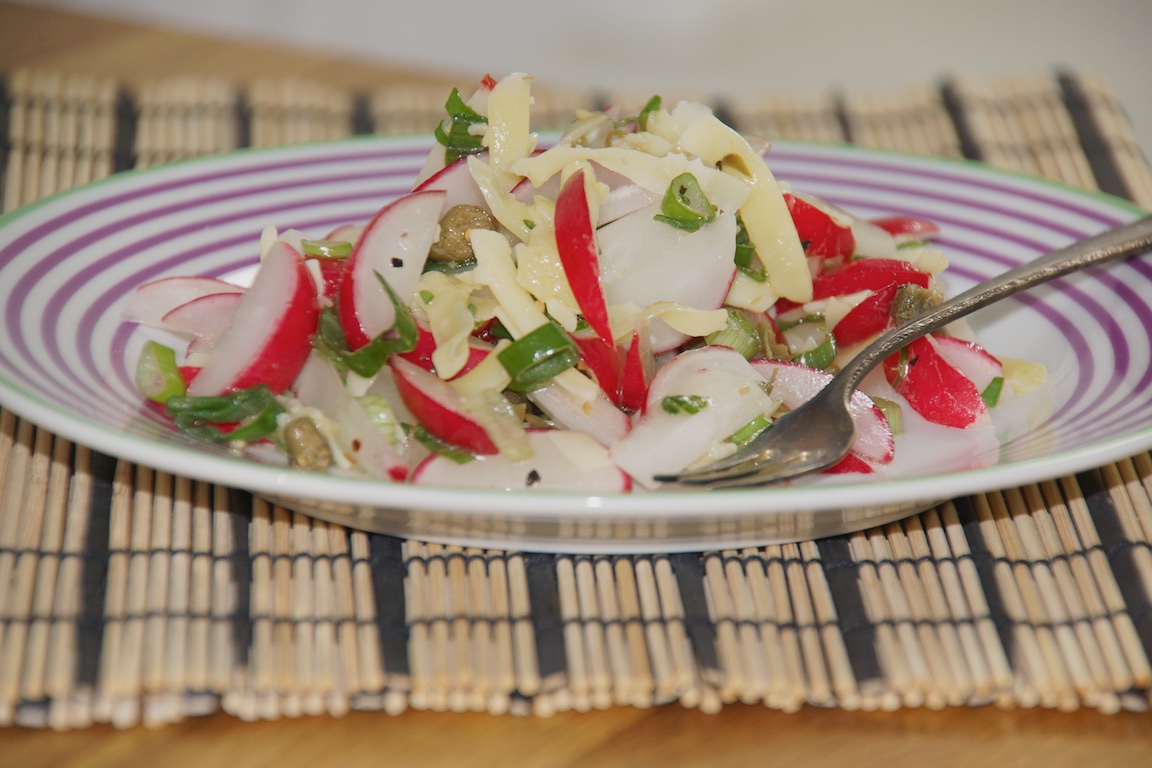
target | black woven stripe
x=845, y=120
x=954, y=105
x=843, y=576
x=124, y=133
x=547, y=623
x=985, y=564
x=1121, y=553
x=362, y=122
x=240, y=519
x=94, y=578
x=386, y=558
x=5, y=140
x=1092, y=139
x=242, y=115
x=689, y=572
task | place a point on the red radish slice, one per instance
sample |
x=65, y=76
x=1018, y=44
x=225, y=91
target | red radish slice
x=269, y=334
x=850, y=464
x=576, y=245
x=976, y=363
x=320, y=387
x=644, y=261
x=795, y=384
x=824, y=236
x=206, y=317
x=395, y=246
x=561, y=461
x=662, y=442
x=934, y=388
x=866, y=319
x=455, y=180
x=150, y=302
x=436, y=405
x=905, y=229
x=348, y=233
x=639, y=368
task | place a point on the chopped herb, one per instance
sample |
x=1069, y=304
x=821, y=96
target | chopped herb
x=440, y=447
x=991, y=393
x=331, y=342
x=529, y=224
x=242, y=416
x=427, y=296
x=745, y=257
x=675, y=404
x=456, y=132
x=652, y=105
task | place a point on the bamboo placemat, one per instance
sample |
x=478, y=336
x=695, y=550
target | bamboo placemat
x=128, y=595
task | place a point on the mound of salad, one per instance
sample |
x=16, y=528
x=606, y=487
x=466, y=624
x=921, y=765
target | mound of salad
x=641, y=297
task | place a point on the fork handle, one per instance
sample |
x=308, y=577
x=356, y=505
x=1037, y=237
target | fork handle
x=1117, y=243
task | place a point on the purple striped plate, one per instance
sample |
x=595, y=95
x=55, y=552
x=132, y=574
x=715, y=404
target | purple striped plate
x=68, y=263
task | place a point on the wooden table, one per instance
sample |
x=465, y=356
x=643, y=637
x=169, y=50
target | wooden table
x=623, y=736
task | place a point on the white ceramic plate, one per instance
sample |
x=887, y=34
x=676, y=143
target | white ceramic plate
x=66, y=360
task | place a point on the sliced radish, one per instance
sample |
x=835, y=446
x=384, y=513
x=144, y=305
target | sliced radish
x=561, y=461
x=394, y=245
x=824, y=236
x=866, y=319
x=599, y=418
x=319, y=386
x=935, y=388
x=206, y=317
x=644, y=261
x=457, y=183
x=150, y=302
x=576, y=245
x=662, y=442
x=795, y=384
x=348, y=233
x=269, y=334
x=436, y=405
x=976, y=363
x=904, y=229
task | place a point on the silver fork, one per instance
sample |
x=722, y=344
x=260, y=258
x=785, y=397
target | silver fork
x=820, y=432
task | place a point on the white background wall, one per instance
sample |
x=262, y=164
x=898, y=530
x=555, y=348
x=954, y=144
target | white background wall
x=713, y=46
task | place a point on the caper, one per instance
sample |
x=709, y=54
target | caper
x=911, y=300
x=453, y=244
x=306, y=446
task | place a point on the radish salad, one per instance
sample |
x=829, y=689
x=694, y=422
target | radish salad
x=639, y=298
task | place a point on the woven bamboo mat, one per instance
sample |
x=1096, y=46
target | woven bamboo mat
x=128, y=595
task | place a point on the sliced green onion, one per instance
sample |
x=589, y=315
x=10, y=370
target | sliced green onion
x=787, y=325
x=690, y=404
x=745, y=257
x=251, y=413
x=327, y=249
x=991, y=393
x=157, y=373
x=685, y=205
x=739, y=334
x=435, y=265
x=440, y=447
x=381, y=416
x=819, y=356
x=652, y=105
x=749, y=431
x=456, y=133
x=331, y=342
x=538, y=356
x=892, y=412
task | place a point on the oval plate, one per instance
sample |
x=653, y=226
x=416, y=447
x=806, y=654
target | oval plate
x=68, y=263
